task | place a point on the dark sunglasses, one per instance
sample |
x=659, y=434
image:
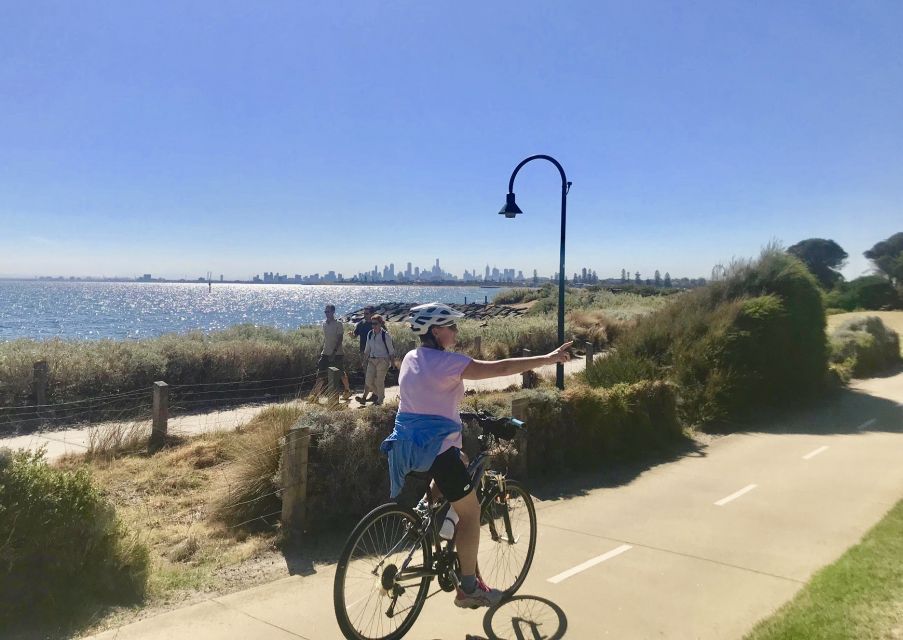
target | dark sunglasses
x=452, y=327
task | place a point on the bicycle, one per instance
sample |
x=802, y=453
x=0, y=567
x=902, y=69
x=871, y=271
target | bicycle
x=384, y=572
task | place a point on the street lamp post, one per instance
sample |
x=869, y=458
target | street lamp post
x=511, y=209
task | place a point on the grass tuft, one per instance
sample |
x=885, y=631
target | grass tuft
x=859, y=596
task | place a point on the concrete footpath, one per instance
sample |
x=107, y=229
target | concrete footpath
x=702, y=547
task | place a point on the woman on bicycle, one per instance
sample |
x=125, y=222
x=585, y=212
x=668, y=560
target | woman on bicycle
x=428, y=437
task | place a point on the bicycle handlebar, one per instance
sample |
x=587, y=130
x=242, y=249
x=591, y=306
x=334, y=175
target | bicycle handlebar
x=504, y=427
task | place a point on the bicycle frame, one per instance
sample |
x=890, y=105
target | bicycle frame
x=429, y=525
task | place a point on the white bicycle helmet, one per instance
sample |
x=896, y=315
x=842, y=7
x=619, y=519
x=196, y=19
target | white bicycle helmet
x=434, y=314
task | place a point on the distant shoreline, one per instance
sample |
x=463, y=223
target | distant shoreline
x=391, y=283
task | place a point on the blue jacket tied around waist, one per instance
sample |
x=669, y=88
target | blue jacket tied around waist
x=414, y=445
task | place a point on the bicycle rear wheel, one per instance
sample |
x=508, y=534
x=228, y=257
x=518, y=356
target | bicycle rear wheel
x=377, y=596
x=507, y=538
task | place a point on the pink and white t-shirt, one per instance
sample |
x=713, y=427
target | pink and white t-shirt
x=430, y=383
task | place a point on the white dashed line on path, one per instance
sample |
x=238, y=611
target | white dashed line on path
x=736, y=495
x=564, y=575
x=812, y=454
x=866, y=424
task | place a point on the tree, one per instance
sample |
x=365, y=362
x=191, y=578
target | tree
x=623, y=275
x=667, y=280
x=636, y=278
x=822, y=257
x=658, y=278
x=887, y=257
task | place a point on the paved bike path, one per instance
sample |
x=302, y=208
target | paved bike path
x=698, y=548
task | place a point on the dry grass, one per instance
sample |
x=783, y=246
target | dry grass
x=167, y=499
x=250, y=493
x=115, y=439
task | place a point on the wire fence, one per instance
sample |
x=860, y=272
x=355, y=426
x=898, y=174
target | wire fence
x=191, y=407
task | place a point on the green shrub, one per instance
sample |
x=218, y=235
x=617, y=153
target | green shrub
x=62, y=546
x=585, y=427
x=864, y=346
x=348, y=475
x=756, y=338
x=868, y=292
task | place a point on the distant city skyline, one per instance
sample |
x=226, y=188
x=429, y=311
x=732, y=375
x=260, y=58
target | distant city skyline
x=334, y=136
x=387, y=274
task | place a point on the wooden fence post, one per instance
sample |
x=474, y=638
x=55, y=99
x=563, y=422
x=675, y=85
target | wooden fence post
x=590, y=354
x=519, y=409
x=39, y=382
x=294, y=480
x=160, y=414
x=334, y=381
x=478, y=345
x=527, y=377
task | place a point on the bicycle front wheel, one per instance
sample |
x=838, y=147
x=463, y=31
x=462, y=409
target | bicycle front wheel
x=507, y=538
x=383, y=575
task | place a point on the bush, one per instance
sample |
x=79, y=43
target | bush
x=868, y=292
x=348, y=475
x=585, y=427
x=62, y=543
x=756, y=338
x=864, y=346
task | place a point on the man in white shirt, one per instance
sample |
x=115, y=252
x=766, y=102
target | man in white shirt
x=332, y=355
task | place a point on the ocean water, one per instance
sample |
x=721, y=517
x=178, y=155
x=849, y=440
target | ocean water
x=134, y=310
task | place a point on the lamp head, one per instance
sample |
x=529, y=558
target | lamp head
x=510, y=209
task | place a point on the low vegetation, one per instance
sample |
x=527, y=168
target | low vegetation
x=86, y=369
x=754, y=339
x=861, y=347
x=621, y=305
x=587, y=427
x=857, y=597
x=867, y=292
x=64, y=550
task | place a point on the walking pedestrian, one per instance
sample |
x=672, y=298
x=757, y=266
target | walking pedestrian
x=332, y=355
x=380, y=354
x=362, y=329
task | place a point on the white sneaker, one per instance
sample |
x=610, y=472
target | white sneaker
x=447, y=531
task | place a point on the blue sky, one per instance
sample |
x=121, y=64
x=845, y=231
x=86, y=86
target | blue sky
x=237, y=137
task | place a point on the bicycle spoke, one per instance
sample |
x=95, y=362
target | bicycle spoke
x=506, y=552
x=373, y=582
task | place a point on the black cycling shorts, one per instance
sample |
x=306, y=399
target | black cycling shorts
x=450, y=474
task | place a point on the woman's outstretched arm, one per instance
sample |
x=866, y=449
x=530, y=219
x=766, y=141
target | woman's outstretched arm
x=482, y=369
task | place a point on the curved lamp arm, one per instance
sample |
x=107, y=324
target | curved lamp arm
x=564, y=180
